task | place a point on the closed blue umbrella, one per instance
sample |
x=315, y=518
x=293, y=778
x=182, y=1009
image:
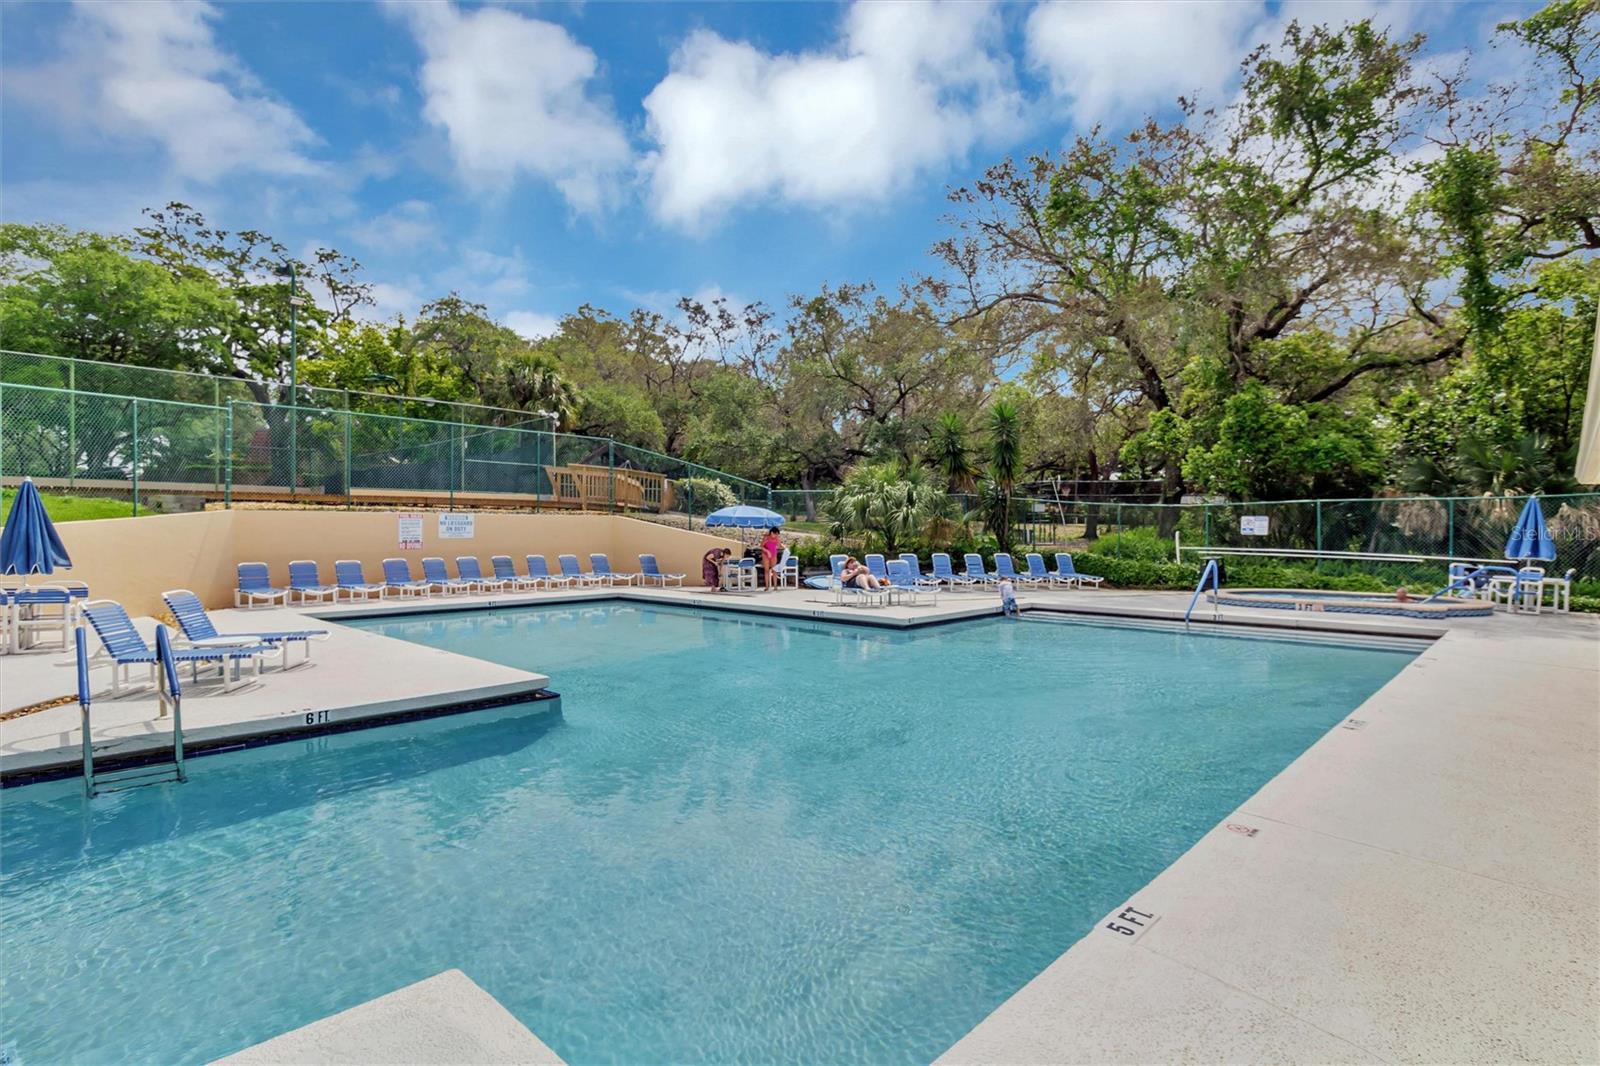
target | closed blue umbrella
x=1531, y=537
x=745, y=517
x=30, y=543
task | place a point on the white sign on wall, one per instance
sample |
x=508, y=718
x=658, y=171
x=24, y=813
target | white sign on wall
x=456, y=527
x=1253, y=525
x=410, y=531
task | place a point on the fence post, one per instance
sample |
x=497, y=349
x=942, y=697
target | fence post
x=347, y=440
x=1119, y=531
x=136, y=458
x=1205, y=537
x=1450, y=510
x=294, y=443
x=216, y=457
x=455, y=451
x=611, y=465
x=227, y=483
x=1318, y=565
x=72, y=424
x=688, y=489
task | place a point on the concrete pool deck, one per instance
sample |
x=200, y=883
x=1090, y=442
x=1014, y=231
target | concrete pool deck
x=353, y=675
x=1419, y=885
x=444, y=1019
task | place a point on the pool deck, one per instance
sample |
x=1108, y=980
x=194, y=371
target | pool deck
x=1422, y=884
x=443, y=1019
x=353, y=675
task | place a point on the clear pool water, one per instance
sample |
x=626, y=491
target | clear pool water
x=741, y=840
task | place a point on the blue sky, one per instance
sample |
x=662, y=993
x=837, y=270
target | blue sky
x=538, y=157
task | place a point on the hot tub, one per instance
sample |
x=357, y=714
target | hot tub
x=1325, y=600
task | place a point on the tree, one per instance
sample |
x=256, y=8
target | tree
x=950, y=452
x=532, y=381
x=87, y=296
x=1003, y=431
x=889, y=504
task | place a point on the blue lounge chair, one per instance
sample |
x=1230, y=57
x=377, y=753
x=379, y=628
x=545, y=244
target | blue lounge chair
x=852, y=594
x=1004, y=567
x=505, y=571
x=305, y=581
x=397, y=579
x=199, y=631
x=467, y=566
x=352, y=580
x=574, y=573
x=121, y=646
x=601, y=565
x=1037, y=572
x=255, y=586
x=907, y=585
x=927, y=581
x=875, y=566
x=787, y=569
x=435, y=574
x=539, y=570
x=976, y=574
x=1065, y=571
x=650, y=573
x=945, y=574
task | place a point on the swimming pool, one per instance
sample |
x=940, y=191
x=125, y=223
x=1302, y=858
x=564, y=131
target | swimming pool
x=742, y=839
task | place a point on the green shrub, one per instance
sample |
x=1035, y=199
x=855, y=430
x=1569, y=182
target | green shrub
x=1137, y=573
x=707, y=494
x=1142, y=543
x=813, y=553
x=1586, y=604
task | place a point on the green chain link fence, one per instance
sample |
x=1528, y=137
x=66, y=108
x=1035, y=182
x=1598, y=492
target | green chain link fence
x=159, y=451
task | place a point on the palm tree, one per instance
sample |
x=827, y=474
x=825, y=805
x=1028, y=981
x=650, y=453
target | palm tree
x=1003, y=425
x=950, y=452
x=532, y=381
x=889, y=504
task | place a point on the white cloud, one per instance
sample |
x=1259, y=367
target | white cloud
x=1113, y=57
x=512, y=96
x=153, y=72
x=395, y=299
x=907, y=87
x=405, y=227
x=532, y=324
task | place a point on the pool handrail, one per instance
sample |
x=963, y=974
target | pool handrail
x=1215, y=575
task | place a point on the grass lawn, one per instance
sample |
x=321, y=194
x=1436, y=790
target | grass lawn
x=73, y=508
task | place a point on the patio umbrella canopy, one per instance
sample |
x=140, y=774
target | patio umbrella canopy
x=30, y=544
x=745, y=517
x=1531, y=537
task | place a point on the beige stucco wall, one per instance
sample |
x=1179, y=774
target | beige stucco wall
x=134, y=560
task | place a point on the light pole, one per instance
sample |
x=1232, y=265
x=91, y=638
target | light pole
x=553, y=419
x=294, y=375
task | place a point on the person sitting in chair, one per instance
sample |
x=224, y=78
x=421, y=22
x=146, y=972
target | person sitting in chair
x=854, y=574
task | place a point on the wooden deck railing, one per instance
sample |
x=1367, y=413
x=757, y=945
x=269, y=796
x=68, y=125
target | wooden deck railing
x=586, y=486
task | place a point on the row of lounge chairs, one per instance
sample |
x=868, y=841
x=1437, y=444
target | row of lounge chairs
x=255, y=587
x=905, y=581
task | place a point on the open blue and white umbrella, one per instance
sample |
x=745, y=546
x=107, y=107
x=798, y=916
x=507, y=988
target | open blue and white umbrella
x=30, y=543
x=745, y=517
x=1531, y=537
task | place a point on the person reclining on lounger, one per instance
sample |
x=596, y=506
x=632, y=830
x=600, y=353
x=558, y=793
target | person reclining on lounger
x=855, y=575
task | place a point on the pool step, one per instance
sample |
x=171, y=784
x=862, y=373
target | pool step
x=135, y=777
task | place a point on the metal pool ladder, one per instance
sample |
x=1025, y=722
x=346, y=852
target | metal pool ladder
x=170, y=693
x=1212, y=574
